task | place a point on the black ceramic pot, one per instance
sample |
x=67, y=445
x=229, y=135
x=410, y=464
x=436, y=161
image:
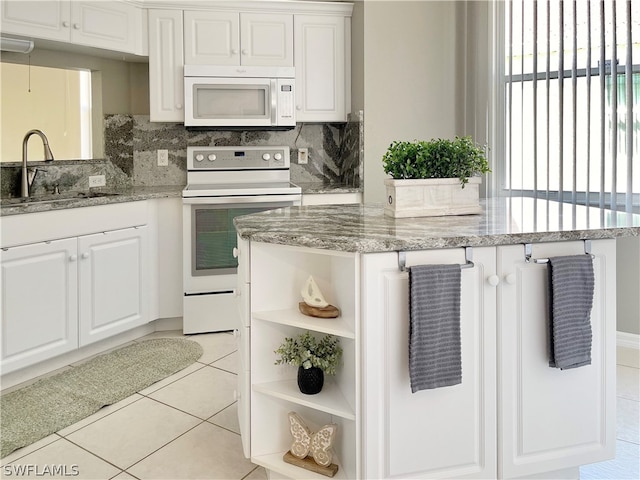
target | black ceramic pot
x=310, y=380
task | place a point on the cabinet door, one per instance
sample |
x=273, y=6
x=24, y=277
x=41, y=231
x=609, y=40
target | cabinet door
x=39, y=302
x=266, y=39
x=109, y=25
x=113, y=285
x=553, y=419
x=211, y=38
x=166, y=65
x=440, y=433
x=40, y=19
x=320, y=68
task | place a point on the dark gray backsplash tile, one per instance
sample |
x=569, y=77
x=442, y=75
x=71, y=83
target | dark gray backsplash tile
x=132, y=141
x=334, y=150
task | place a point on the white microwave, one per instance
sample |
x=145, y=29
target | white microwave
x=246, y=97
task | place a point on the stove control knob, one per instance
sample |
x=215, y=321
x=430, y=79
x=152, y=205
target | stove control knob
x=199, y=157
x=266, y=157
x=278, y=156
x=211, y=157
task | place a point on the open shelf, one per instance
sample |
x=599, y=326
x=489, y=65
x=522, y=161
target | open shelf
x=274, y=462
x=329, y=400
x=334, y=326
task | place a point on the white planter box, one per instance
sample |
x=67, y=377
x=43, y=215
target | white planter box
x=432, y=197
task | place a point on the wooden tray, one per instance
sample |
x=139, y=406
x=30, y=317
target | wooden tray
x=325, y=312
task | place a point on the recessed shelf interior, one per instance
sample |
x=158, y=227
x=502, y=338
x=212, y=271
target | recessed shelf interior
x=329, y=400
x=335, y=326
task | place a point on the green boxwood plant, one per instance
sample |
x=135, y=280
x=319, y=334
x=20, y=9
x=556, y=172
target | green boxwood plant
x=305, y=351
x=437, y=158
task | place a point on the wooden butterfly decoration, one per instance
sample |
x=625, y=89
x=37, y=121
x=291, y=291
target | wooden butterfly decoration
x=318, y=444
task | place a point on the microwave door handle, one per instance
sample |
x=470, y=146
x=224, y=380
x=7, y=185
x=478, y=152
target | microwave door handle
x=274, y=100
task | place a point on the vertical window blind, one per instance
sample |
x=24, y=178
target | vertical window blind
x=572, y=101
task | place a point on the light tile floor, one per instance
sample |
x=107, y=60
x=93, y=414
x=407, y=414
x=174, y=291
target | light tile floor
x=186, y=427
x=626, y=465
x=183, y=427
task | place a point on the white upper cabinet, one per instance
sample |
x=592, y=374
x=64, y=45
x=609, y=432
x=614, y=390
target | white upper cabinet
x=166, y=65
x=49, y=20
x=233, y=38
x=321, y=68
x=110, y=25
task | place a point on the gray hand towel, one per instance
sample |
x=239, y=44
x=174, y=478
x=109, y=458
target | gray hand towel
x=571, y=284
x=434, y=329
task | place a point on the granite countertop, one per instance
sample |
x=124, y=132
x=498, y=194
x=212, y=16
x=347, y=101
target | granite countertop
x=105, y=196
x=365, y=228
x=99, y=196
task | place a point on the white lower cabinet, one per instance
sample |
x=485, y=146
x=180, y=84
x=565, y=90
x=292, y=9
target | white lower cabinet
x=440, y=433
x=512, y=415
x=113, y=294
x=64, y=294
x=552, y=419
x=39, y=302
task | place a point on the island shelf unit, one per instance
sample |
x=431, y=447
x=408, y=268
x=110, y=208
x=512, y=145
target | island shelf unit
x=495, y=424
x=278, y=273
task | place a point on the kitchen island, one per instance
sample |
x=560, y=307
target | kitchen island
x=512, y=415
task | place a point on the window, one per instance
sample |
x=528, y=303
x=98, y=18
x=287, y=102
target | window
x=572, y=101
x=54, y=100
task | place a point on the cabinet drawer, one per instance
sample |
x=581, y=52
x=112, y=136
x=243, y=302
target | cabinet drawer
x=73, y=222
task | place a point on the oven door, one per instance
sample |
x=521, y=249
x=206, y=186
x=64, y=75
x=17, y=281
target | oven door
x=209, y=238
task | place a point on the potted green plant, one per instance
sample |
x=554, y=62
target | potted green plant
x=435, y=177
x=313, y=358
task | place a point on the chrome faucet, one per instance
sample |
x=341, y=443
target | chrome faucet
x=28, y=176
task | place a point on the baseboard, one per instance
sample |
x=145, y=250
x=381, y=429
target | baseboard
x=628, y=349
x=628, y=340
x=163, y=324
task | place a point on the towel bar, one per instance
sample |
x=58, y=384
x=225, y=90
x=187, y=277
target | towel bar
x=528, y=252
x=468, y=256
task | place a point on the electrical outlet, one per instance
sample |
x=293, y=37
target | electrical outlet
x=97, y=181
x=163, y=158
x=303, y=155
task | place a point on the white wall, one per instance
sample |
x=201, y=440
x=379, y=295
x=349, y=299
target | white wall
x=628, y=284
x=411, y=79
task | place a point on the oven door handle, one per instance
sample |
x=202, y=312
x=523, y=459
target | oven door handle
x=241, y=199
